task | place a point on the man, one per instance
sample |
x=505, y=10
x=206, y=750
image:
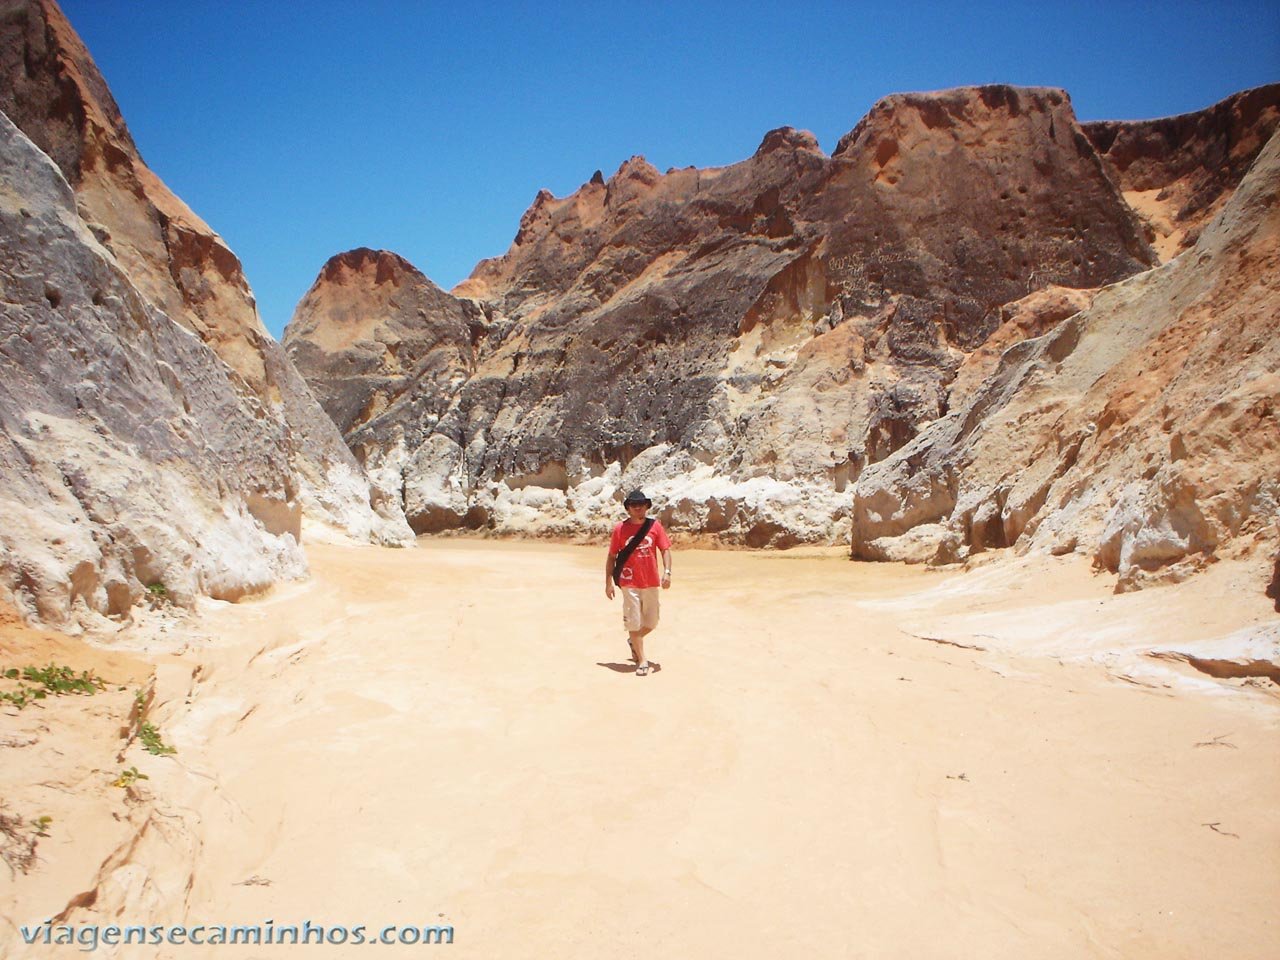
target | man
x=637, y=542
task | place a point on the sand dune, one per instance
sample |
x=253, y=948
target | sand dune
x=452, y=735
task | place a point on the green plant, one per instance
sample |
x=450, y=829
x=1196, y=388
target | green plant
x=150, y=737
x=57, y=679
x=148, y=732
x=158, y=591
x=21, y=697
x=128, y=778
x=51, y=679
x=41, y=825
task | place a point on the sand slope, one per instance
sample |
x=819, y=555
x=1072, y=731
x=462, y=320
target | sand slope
x=452, y=735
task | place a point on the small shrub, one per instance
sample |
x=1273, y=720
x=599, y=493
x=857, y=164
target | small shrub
x=128, y=778
x=51, y=679
x=21, y=697
x=150, y=737
x=148, y=732
x=57, y=679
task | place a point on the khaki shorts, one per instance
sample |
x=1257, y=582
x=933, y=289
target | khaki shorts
x=640, y=608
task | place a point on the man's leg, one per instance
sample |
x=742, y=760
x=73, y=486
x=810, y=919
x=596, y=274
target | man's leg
x=637, y=644
x=648, y=621
x=632, y=620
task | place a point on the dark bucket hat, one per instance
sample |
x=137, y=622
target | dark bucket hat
x=637, y=496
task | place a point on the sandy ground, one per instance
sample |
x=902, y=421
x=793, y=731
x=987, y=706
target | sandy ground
x=453, y=735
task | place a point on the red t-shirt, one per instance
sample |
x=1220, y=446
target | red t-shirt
x=641, y=568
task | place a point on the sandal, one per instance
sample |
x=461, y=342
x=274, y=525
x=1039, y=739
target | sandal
x=642, y=670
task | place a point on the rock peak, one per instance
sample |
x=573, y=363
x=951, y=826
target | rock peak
x=788, y=138
x=385, y=265
x=637, y=168
x=956, y=107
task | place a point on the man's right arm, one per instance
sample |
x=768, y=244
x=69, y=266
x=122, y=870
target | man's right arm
x=608, y=575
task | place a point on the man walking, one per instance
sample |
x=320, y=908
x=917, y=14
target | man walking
x=632, y=566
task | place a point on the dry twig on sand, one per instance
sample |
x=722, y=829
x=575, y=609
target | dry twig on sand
x=1218, y=741
x=1214, y=827
x=17, y=845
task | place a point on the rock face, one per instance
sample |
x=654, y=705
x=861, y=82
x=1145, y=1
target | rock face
x=127, y=455
x=150, y=432
x=371, y=326
x=373, y=335
x=1177, y=172
x=51, y=89
x=1142, y=430
x=740, y=341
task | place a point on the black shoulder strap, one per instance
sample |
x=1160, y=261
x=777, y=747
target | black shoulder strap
x=625, y=553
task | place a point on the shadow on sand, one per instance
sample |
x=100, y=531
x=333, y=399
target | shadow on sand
x=629, y=667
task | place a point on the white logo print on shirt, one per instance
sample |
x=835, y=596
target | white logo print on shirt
x=643, y=551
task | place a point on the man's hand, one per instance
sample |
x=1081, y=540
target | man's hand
x=666, y=581
x=608, y=575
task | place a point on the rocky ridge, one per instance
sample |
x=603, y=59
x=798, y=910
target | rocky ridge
x=373, y=325
x=154, y=438
x=742, y=340
x=747, y=341
x=1178, y=172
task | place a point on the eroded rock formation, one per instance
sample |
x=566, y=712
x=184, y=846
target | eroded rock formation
x=1178, y=172
x=741, y=340
x=127, y=456
x=1142, y=431
x=150, y=432
x=52, y=90
x=373, y=326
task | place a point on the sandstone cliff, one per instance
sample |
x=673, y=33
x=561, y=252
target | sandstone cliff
x=128, y=458
x=1141, y=431
x=51, y=89
x=151, y=434
x=373, y=326
x=1177, y=172
x=742, y=340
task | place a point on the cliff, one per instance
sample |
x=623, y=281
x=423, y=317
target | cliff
x=153, y=434
x=1178, y=172
x=742, y=339
x=1141, y=431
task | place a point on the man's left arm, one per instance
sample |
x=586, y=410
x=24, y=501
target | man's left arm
x=666, y=569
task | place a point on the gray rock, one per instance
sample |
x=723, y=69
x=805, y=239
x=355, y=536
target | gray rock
x=52, y=90
x=129, y=456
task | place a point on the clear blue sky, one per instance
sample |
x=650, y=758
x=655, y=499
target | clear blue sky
x=299, y=130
